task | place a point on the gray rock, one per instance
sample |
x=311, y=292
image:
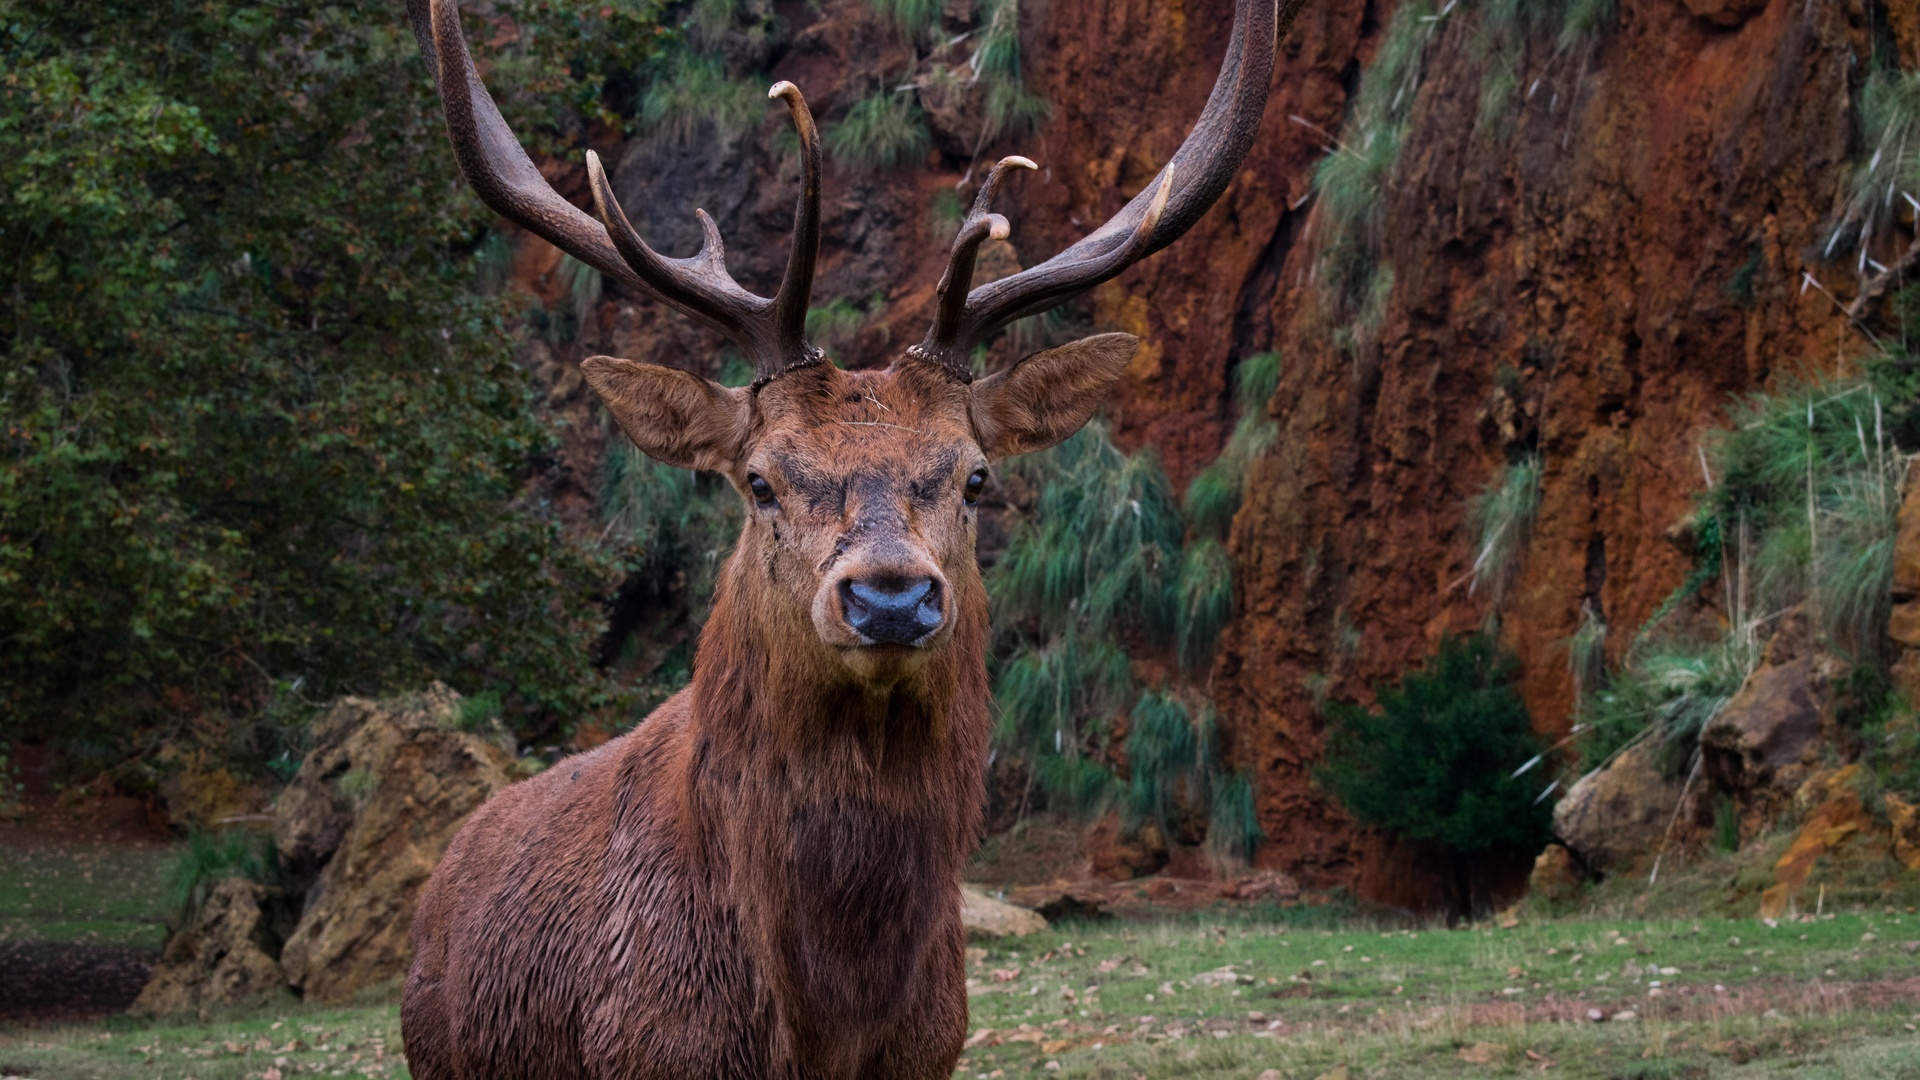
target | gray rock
x=1613, y=816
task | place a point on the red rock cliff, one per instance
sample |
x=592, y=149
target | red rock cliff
x=1628, y=243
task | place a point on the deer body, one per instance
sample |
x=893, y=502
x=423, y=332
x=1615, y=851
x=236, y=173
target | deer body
x=758, y=881
x=762, y=879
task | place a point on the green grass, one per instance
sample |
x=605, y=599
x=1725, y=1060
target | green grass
x=84, y=894
x=918, y=20
x=1502, y=518
x=361, y=1040
x=206, y=858
x=1310, y=988
x=1118, y=1001
x=690, y=94
x=885, y=130
x=1889, y=120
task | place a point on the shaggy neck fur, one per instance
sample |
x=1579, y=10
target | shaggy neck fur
x=837, y=815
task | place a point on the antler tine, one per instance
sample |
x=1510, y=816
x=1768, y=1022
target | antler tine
x=796, y=286
x=981, y=224
x=771, y=332
x=1204, y=164
x=492, y=159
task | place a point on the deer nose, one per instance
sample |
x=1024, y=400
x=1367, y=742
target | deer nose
x=892, y=610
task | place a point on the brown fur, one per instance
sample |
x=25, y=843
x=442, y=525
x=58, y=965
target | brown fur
x=761, y=880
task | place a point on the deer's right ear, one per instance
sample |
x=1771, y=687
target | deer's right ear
x=674, y=416
x=1048, y=396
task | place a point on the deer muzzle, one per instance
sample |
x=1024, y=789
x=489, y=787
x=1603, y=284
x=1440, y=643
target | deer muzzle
x=892, y=609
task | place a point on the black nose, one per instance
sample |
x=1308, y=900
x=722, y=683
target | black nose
x=892, y=610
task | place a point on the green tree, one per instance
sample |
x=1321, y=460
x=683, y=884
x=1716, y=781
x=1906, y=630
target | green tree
x=1434, y=763
x=259, y=431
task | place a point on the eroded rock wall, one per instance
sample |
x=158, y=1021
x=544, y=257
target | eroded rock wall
x=1594, y=272
x=1630, y=242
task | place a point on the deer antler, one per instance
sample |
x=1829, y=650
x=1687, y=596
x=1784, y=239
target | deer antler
x=1204, y=165
x=770, y=331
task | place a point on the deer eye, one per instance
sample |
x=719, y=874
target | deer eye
x=975, y=484
x=762, y=491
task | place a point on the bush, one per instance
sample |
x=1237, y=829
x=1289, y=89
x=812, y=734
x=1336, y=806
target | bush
x=1435, y=762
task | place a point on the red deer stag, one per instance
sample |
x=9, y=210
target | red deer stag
x=761, y=880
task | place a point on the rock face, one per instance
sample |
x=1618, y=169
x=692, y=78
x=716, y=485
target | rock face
x=222, y=956
x=983, y=916
x=1116, y=855
x=1838, y=815
x=1616, y=815
x=1765, y=734
x=374, y=806
x=1596, y=271
x=1579, y=255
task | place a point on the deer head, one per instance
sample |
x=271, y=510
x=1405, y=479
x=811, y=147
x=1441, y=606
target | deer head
x=859, y=486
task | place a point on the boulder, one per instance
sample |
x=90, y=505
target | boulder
x=223, y=955
x=374, y=805
x=1557, y=876
x=983, y=916
x=1766, y=733
x=1903, y=819
x=1614, y=815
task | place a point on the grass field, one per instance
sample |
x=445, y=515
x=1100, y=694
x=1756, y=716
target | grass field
x=1236, y=996
x=78, y=893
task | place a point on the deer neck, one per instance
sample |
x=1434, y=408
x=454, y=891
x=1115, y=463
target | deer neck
x=839, y=815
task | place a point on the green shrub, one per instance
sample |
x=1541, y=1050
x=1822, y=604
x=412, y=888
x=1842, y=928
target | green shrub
x=1507, y=28
x=882, y=131
x=1056, y=693
x=1101, y=545
x=1013, y=111
x=1435, y=762
x=584, y=287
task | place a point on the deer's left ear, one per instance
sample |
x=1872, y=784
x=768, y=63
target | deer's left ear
x=674, y=416
x=1048, y=396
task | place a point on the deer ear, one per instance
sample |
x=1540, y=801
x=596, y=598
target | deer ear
x=1048, y=396
x=674, y=416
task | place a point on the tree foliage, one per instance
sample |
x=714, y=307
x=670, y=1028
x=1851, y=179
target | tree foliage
x=262, y=433
x=1435, y=762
